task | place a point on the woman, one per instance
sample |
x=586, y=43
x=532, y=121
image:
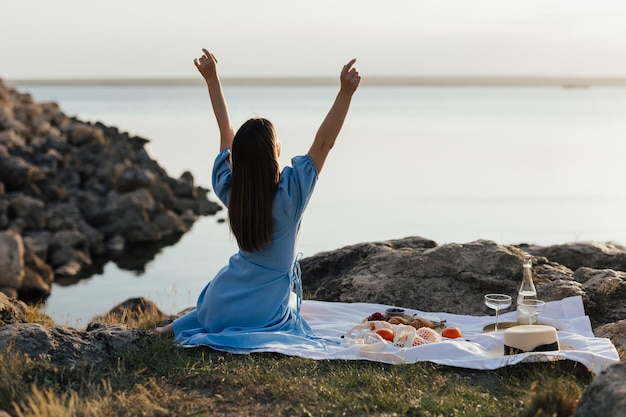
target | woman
x=250, y=303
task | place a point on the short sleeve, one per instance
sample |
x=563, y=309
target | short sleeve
x=222, y=176
x=296, y=185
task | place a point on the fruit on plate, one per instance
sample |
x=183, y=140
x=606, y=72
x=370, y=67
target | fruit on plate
x=377, y=316
x=385, y=333
x=425, y=335
x=452, y=332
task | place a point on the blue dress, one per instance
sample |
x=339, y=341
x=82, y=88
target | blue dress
x=247, y=304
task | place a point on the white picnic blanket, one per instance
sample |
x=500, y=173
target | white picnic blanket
x=475, y=350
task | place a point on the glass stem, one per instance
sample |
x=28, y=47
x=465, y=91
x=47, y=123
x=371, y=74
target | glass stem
x=495, y=327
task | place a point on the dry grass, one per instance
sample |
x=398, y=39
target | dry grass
x=33, y=314
x=163, y=380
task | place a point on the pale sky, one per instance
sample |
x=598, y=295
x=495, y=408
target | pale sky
x=160, y=38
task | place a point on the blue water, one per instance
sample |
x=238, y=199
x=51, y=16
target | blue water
x=534, y=165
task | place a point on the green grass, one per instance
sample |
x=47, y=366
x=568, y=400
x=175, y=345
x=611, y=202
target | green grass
x=164, y=380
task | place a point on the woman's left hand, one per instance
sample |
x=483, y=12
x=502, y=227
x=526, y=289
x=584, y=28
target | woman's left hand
x=207, y=65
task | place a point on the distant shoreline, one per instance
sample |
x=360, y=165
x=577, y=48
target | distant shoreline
x=377, y=81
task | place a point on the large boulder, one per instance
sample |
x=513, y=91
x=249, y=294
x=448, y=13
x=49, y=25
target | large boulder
x=606, y=396
x=417, y=273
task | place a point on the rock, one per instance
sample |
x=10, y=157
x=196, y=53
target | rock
x=38, y=242
x=4, y=205
x=184, y=186
x=38, y=277
x=606, y=395
x=170, y=223
x=163, y=195
x=79, y=134
x=184, y=205
x=189, y=217
x=68, y=247
x=616, y=332
x=11, y=310
x=132, y=309
x=62, y=216
x=11, y=138
x=116, y=244
x=134, y=179
x=49, y=162
x=14, y=172
x=140, y=230
x=129, y=215
x=69, y=269
x=8, y=291
x=604, y=294
x=4, y=92
x=93, y=237
x=11, y=259
x=204, y=206
x=415, y=273
x=597, y=255
x=31, y=211
x=69, y=348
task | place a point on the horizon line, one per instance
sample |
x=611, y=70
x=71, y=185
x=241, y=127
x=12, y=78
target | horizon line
x=313, y=81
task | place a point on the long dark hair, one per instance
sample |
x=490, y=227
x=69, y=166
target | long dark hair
x=256, y=171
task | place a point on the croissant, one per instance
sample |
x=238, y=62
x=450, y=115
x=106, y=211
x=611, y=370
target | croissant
x=397, y=320
x=419, y=322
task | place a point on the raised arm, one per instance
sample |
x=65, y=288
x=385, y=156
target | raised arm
x=207, y=65
x=331, y=126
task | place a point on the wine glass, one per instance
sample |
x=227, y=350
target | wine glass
x=531, y=307
x=497, y=302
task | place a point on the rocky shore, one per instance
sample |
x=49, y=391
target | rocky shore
x=73, y=192
x=74, y=195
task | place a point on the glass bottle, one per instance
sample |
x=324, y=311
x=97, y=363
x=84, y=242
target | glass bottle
x=527, y=290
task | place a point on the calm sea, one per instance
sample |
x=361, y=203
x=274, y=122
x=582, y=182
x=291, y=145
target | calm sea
x=535, y=165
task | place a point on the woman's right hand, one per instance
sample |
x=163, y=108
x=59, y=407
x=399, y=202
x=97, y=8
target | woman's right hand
x=207, y=65
x=331, y=126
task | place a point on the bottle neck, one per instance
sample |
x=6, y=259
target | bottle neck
x=527, y=280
